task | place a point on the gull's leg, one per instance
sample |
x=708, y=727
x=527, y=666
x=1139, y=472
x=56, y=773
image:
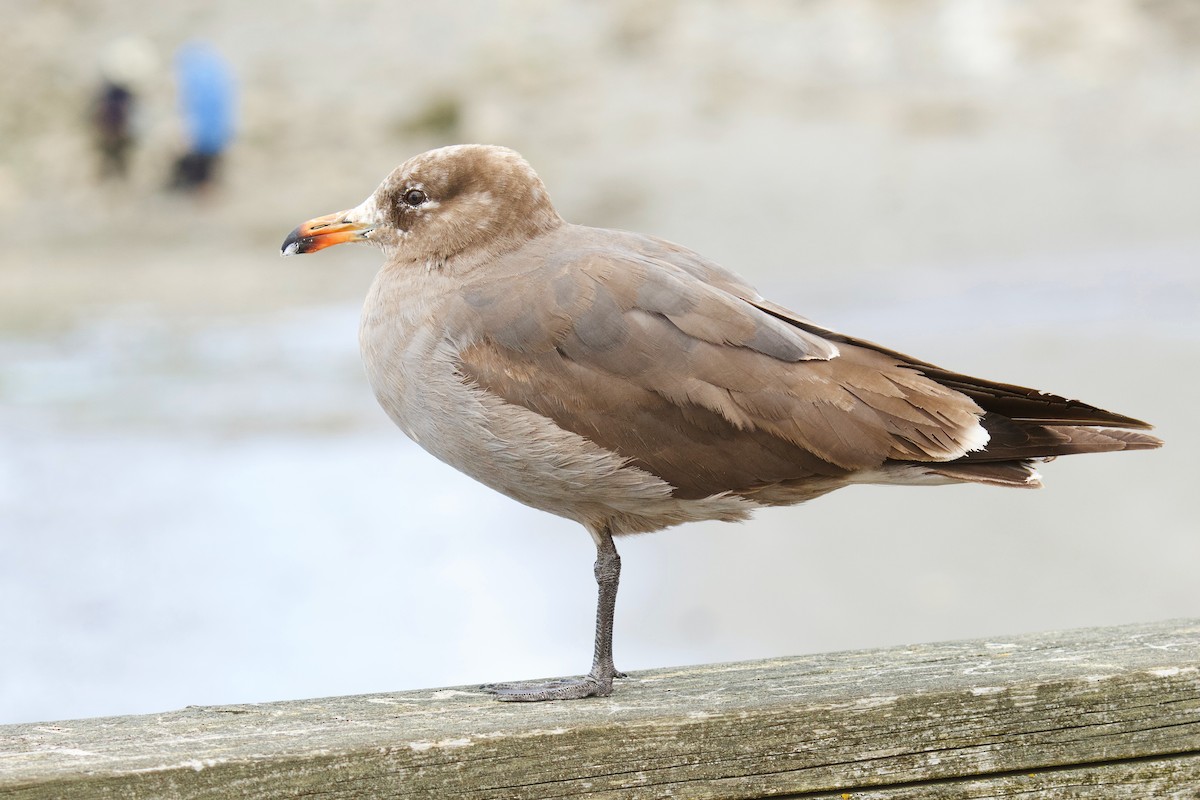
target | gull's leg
x=598, y=682
x=608, y=576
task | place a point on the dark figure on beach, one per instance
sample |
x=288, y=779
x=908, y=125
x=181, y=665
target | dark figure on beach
x=112, y=122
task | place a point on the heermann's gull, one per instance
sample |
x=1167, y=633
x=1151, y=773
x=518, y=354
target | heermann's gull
x=629, y=384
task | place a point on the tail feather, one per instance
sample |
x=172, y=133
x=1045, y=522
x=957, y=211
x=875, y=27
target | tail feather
x=1027, y=424
x=1019, y=474
x=1017, y=439
x=1024, y=425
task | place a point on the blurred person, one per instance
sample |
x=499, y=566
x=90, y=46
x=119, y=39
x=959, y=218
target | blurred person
x=206, y=91
x=123, y=65
x=111, y=116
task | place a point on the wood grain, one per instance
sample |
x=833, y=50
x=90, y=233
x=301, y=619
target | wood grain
x=1110, y=712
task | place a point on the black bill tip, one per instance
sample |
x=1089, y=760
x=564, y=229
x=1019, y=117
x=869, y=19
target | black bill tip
x=296, y=243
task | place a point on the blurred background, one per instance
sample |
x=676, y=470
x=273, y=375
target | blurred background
x=200, y=502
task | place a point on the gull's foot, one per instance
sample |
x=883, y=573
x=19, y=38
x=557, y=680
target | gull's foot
x=561, y=689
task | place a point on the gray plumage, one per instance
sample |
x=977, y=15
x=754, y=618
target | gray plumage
x=630, y=384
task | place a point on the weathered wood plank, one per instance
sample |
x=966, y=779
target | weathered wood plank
x=1116, y=704
x=1167, y=779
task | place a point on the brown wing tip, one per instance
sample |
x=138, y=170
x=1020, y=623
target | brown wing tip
x=1119, y=421
x=1137, y=441
x=1074, y=412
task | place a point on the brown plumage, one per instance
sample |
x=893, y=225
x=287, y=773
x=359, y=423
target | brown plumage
x=630, y=384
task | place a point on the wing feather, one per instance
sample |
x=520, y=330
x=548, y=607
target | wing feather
x=691, y=379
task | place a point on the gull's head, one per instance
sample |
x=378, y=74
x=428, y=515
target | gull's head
x=454, y=201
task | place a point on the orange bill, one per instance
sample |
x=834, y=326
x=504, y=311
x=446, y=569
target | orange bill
x=322, y=232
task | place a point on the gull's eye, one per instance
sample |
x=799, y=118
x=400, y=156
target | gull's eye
x=414, y=197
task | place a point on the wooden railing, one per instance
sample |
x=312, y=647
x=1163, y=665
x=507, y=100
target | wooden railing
x=1104, y=713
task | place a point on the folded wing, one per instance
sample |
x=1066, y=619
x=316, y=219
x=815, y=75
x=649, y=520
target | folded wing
x=692, y=381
